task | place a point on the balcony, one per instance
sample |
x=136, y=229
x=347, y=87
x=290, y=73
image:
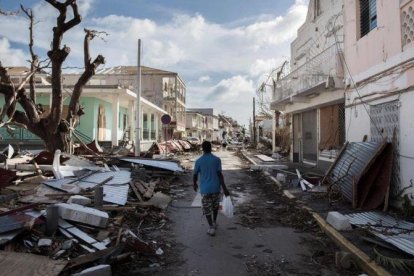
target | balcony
x=323, y=71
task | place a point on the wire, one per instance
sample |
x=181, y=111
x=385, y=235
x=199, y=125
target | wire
x=405, y=67
x=356, y=88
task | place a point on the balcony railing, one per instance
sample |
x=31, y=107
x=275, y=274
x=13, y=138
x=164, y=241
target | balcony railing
x=313, y=72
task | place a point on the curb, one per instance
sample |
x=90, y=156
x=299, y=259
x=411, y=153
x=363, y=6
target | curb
x=369, y=265
x=247, y=157
x=365, y=262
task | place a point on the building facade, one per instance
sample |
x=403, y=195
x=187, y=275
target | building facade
x=109, y=112
x=379, y=53
x=211, y=131
x=308, y=90
x=196, y=125
x=163, y=88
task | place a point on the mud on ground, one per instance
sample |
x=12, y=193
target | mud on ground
x=268, y=207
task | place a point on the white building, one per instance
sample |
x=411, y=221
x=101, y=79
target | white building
x=211, y=129
x=195, y=124
x=309, y=89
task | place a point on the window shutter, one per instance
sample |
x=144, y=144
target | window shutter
x=368, y=15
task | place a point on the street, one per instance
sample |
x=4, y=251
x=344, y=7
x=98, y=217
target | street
x=267, y=236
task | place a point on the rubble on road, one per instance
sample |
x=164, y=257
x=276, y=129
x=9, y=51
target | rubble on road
x=65, y=214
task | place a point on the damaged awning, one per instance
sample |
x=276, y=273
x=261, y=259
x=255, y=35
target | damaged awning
x=363, y=173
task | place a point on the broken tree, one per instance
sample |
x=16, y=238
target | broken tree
x=52, y=127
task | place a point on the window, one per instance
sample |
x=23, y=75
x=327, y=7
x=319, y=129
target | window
x=145, y=132
x=125, y=121
x=152, y=127
x=368, y=15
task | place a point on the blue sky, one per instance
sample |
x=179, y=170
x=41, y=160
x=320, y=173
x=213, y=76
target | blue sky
x=222, y=49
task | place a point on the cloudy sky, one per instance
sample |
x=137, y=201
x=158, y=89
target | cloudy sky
x=222, y=49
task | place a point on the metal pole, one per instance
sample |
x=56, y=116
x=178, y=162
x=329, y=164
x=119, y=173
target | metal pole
x=254, y=121
x=164, y=132
x=138, y=105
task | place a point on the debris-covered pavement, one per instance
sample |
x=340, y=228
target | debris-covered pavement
x=121, y=215
x=352, y=203
x=269, y=235
x=63, y=214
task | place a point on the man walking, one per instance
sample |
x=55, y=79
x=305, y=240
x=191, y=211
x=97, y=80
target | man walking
x=211, y=180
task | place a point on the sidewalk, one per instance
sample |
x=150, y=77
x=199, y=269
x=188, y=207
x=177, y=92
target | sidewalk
x=319, y=205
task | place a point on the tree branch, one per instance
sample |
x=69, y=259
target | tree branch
x=75, y=111
x=8, y=90
x=35, y=59
x=76, y=18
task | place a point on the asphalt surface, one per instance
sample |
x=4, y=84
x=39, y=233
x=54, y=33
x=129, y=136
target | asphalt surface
x=239, y=248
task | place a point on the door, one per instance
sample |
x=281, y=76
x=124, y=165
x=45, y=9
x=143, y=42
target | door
x=310, y=141
x=297, y=138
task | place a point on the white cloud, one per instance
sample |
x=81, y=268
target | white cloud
x=9, y=56
x=204, y=78
x=232, y=95
x=188, y=44
x=264, y=66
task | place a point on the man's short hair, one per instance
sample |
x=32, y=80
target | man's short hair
x=206, y=146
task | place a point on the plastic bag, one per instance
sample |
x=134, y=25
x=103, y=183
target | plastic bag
x=227, y=207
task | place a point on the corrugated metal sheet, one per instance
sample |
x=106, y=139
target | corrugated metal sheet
x=167, y=165
x=399, y=233
x=115, y=191
x=351, y=164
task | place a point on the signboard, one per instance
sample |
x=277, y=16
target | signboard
x=166, y=119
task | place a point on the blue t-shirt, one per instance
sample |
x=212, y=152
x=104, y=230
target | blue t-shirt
x=208, y=165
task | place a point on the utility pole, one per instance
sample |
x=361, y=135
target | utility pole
x=138, y=105
x=254, y=121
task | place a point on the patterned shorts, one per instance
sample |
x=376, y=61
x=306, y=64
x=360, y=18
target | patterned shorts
x=210, y=202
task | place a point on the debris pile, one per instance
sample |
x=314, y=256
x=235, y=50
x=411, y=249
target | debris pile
x=173, y=146
x=65, y=214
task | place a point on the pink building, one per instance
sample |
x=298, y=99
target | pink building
x=379, y=78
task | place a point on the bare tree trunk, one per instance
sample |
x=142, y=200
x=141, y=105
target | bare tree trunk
x=53, y=129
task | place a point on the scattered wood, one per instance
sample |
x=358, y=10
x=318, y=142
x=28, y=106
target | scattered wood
x=117, y=208
x=85, y=259
x=135, y=190
x=141, y=186
x=150, y=191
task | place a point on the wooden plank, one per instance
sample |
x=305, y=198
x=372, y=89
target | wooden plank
x=265, y=158
x=151, y=188
x=135, y=190
x=150, y=191
x=13, y=263
x=141, y=188
x=359, y=256
x=91, y=257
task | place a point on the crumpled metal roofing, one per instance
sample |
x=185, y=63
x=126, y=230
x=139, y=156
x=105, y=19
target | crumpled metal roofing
x=167, y=165
x=351, y=164
x=399, y=233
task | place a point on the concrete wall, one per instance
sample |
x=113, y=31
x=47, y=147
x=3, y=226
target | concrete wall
x=312, y=36
x=379, y=44
x=382, y=68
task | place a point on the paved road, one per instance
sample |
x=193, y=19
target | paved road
x=237, y=248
